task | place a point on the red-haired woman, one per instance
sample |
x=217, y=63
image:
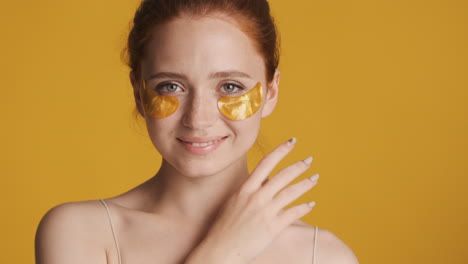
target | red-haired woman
x=204, y=74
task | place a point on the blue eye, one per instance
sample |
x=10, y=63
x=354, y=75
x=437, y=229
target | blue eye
x=232, y=88
x=168, y=87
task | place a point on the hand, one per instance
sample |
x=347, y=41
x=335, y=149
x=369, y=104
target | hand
x=252, y=217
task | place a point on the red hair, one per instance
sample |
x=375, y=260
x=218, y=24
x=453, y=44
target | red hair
x=252, y=16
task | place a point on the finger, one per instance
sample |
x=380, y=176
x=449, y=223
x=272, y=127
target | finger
x=292, y=193
x=265, y=181
x=284, y=177
x=287, y=217
x=266, y=165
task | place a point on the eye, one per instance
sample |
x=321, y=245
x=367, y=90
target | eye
x=232, y=88
x=168, y=87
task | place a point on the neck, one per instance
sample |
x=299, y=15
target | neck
x=195, y=199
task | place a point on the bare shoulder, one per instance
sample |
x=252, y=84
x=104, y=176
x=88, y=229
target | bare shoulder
x=296, y=244
x=332, y=250
x=68, y=230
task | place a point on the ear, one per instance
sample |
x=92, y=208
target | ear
x=136, y=92
x=271, y=97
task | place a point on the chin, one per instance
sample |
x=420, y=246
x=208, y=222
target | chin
x=208, y=166
x=198, y=169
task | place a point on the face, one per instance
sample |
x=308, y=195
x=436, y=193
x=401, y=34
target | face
x=198, y=64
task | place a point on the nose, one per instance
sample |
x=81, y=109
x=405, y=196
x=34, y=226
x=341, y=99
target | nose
x=200, y=112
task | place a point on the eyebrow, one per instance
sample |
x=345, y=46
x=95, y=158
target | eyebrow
x=214, y=75
x=225, y=74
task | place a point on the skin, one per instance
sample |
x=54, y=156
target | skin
x=166, y=217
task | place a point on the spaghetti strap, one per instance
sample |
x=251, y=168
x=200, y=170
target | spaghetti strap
x=113, y=231
x=315, y=244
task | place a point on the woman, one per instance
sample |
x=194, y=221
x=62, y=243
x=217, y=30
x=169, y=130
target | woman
x=204, y=74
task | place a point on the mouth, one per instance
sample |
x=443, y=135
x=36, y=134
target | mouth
x=201, y=142
x=200, y=145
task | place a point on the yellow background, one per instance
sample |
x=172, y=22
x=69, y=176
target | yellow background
x=375, y=91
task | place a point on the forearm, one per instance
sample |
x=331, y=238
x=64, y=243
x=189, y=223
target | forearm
x=208, y=253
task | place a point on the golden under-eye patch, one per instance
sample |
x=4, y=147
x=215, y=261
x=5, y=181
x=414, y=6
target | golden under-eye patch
x=156, y=105
x=235, y=108
x=242, y=107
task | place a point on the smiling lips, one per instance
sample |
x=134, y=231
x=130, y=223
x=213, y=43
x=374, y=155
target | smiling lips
x=201, y=145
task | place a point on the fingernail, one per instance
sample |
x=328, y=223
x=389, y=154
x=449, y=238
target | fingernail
x=308, y=160
x=314, y=177
x=311, y=204
x=292, y=140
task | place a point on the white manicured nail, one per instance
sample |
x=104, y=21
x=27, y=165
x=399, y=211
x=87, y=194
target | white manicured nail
x=308, y=160
x=314, y=177
x=292, y=141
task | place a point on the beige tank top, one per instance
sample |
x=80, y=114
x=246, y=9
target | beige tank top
x=117, y=243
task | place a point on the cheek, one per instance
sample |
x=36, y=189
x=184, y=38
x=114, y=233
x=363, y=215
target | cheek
x=246, y=130
x=161, y=131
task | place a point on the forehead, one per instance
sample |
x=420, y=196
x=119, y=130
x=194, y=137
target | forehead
x=199, y=46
